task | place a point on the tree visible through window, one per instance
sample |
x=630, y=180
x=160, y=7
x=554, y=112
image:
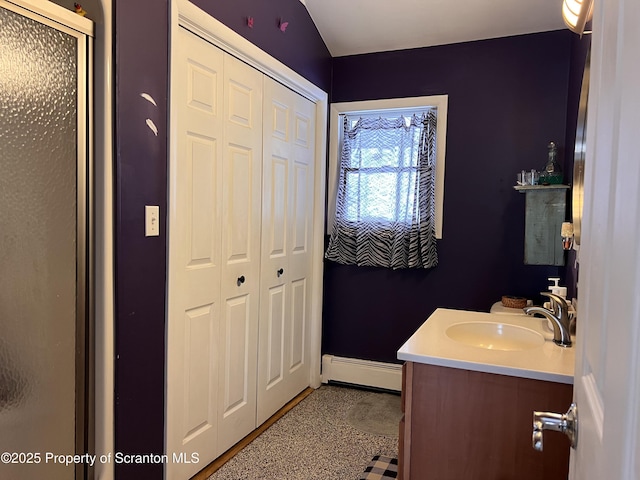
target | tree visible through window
x=385, y=208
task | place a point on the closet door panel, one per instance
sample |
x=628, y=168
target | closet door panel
x=301, y=227
x=301, y=216
x=274, y=363
x=194, y=255
x=236, y=362
x=241, y=200
x=239, y=190
x=276, y=173
x=298, y=357
x=283, y=367
x=274, y=315
x=199, y=336
x=275, y=311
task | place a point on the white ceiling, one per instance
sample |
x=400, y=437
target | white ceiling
x=350, y=27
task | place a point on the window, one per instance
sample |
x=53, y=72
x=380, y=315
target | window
x=386, y=183
x=382, y=171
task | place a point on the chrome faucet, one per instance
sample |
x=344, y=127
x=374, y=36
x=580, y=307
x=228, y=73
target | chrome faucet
x=558, y=316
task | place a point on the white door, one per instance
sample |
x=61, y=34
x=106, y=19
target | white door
x=195, y=216
x=607, y=380
x=287, y=221
x=241, y=204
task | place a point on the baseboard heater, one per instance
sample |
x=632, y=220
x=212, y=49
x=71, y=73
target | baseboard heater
x=365, y=373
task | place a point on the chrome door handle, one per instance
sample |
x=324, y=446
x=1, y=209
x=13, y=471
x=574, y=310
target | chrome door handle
x=566, y=423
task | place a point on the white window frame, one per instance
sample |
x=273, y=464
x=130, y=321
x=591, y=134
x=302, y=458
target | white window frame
x=387, y=107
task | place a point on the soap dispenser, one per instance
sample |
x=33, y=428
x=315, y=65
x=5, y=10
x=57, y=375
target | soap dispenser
x=556, y=289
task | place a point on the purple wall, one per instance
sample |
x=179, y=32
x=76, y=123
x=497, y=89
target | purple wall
x=141, y=66
x=300, y=46
x=141, y=59
x=507, y=100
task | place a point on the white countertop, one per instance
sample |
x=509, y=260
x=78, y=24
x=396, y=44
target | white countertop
x=431, y=345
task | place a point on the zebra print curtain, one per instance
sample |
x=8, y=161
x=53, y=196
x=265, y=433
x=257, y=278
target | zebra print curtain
x=385, y=209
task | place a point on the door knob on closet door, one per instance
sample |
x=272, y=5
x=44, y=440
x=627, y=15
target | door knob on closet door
x=280, y=272
x=241, y=280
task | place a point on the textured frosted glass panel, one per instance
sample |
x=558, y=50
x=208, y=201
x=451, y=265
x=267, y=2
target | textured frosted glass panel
x=37, y=242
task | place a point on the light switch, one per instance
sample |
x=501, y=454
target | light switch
x=152, y=220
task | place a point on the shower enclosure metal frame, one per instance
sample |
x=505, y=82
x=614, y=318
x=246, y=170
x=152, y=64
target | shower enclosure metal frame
x=82, y=30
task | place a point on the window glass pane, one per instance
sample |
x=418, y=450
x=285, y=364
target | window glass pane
x=379, y=199
x=380, y=181
x=406, y=189
x=367, y=156
x=352, y=200
x=380, y=196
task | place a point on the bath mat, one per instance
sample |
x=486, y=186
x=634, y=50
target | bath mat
x=381, y=468
x=377, y=414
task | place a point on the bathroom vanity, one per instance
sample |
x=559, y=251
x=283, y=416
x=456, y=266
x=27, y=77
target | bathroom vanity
x=471, y=382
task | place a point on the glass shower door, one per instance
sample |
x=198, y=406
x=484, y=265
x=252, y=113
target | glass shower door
x=43, y=245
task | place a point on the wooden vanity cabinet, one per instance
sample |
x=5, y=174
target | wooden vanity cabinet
x=462, y=424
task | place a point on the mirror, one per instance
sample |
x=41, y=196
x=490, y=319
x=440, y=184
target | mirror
x=577, y=197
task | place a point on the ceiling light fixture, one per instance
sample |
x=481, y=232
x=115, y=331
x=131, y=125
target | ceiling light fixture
x=576, y=14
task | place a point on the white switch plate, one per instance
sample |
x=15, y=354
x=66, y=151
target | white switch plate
x=151, y=220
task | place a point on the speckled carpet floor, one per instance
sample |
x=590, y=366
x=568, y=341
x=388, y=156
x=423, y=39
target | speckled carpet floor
x=314, y=441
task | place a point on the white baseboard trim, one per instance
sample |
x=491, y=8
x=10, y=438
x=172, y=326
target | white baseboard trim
x=362, y=372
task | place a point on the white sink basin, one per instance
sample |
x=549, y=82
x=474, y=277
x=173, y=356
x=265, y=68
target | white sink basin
x=514, y=345
x=494, y=336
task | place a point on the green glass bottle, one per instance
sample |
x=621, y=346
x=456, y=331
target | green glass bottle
x=551, y=175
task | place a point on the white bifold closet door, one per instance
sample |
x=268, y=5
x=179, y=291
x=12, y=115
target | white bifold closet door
x=241, y=200
x=283, y=368
x=241, y=203
x=214, y=250
x=195, y=239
